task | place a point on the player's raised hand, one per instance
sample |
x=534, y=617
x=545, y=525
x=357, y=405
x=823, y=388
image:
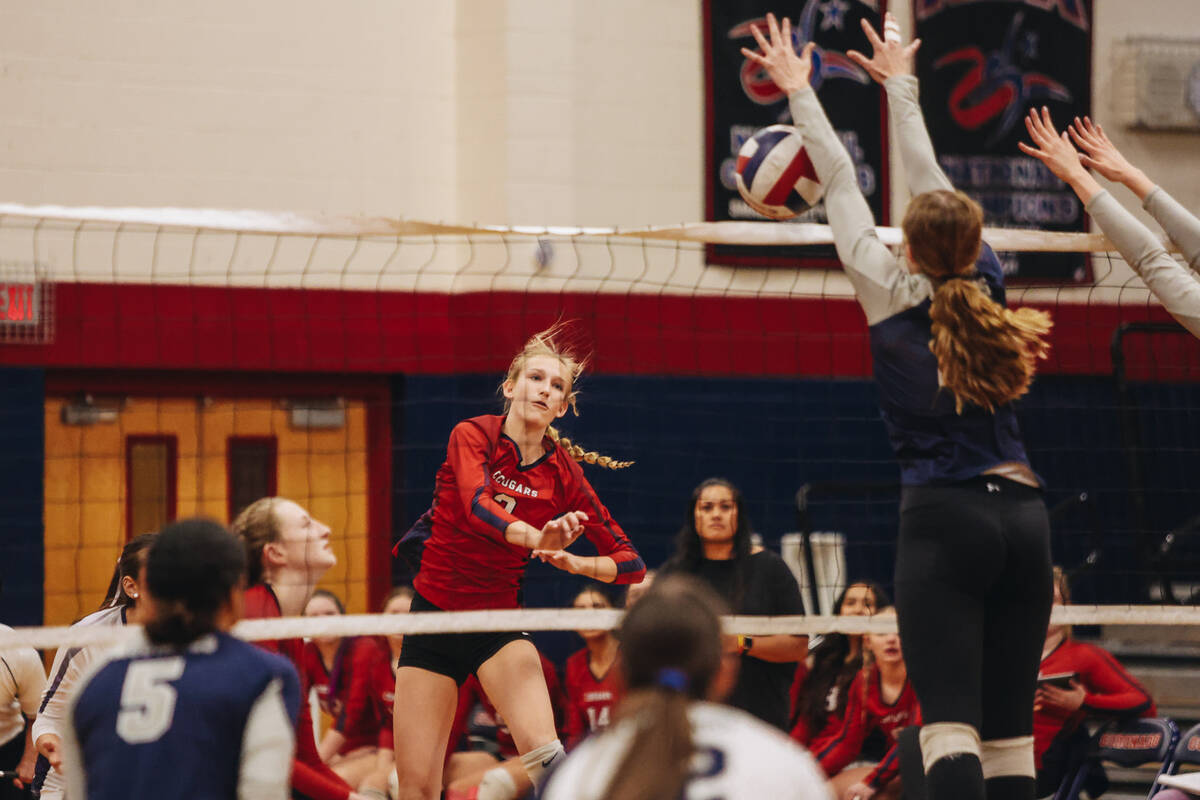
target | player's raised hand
x=1050, y=147
x=557, y=534
x=789, y=71
x=1098, y=152
x=1102, y=155
x=889, y=56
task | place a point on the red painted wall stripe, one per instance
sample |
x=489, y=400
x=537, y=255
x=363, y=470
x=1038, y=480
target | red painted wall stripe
x=135, y=326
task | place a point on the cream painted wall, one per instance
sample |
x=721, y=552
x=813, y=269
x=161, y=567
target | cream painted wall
x=498, y=111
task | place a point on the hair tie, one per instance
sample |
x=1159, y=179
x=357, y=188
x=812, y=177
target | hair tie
x=970, y=276
x=673, y=678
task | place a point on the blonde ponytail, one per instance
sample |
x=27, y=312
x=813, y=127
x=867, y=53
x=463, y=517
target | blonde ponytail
x=585, y=456
x=987, y=354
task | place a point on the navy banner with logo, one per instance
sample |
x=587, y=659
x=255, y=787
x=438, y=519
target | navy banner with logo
x=982, y=65
x=741, y=99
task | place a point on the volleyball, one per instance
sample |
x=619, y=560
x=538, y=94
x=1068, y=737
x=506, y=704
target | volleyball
x=774, y=174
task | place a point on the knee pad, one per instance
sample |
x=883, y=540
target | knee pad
x=540, y=759
x=944, y=739
x=1008, y=757
x=497, y=784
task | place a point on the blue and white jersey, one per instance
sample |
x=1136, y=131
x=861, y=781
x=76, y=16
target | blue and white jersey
x=932, y=442
x=69, y=667
x=737, y=757
x=214, y=721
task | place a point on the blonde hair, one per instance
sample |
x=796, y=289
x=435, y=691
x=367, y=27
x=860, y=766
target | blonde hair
x=987, y=354
x=549, y=342
x=257, y=526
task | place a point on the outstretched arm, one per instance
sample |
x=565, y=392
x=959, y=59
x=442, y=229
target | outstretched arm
x=1099, y=153
x=891, y=64
x=882, y=287
x=1175, y=287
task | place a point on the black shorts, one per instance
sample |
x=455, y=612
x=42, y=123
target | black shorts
x=455, y=655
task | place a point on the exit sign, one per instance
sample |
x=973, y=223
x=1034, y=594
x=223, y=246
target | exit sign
x=19, y=303
x=26, y=304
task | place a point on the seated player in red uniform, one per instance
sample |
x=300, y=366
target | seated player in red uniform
x=486, y=762
x=593, y=683
x=510, y=488
x=287, y=553
x=880, y=698
x=382, y=690
x=1075, y=681
x=340, y=669
x=819, y=687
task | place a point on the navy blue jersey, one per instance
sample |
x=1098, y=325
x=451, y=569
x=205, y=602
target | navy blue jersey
x=214, y=721
x=932, y=442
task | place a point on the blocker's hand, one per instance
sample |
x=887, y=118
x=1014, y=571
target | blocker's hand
x=889, y=57
x=789, y=71
x=1050, y=147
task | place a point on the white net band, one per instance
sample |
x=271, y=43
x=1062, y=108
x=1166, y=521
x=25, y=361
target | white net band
x=742, y=233
x=554, y=619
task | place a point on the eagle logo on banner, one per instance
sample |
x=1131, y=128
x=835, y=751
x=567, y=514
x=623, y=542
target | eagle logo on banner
x=995, y=86
x=826, y=64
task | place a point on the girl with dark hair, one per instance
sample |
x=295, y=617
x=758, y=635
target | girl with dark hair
x=670, y=739
x=820, y=691
x=340, y=669
x=714, y=545
x=592, y=683
x=121, y=606
x=973, y=559
x=187, y=710
x=511, y=488
x=287, y=553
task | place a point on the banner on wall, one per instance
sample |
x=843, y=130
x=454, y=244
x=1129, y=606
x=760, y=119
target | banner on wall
x=741, y=99
x=982, y=65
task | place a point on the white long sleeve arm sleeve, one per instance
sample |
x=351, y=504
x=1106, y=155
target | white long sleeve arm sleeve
x=268, y=745
x=1175, y=287
x=921, y=167
x=882, y=285
x=1179, y=223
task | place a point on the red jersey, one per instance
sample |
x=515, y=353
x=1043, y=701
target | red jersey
x=383, y=695
x=482, y=488
x=865, y=712
x=1111, y=691
x=310, y=776
x=344, y=691
x=468, y=717
x=590, y=700
x=836, y=711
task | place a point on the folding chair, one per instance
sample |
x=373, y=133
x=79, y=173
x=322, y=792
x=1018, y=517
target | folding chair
x=1126, y=743
x=1186, y=752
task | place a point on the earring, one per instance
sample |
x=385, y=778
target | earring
x=134, y=595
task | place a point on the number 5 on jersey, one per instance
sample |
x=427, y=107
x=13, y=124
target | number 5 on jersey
x=148, y=699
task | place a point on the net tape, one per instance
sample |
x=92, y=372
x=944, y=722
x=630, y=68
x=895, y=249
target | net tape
x=557, y=619
x=290, y=223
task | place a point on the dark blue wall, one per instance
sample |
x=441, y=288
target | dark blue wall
x=22, y=406
x=770, y=436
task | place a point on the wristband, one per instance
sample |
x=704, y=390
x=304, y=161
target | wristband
x=745, y=643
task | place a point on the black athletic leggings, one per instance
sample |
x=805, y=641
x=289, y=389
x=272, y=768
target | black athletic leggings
x=973, y=594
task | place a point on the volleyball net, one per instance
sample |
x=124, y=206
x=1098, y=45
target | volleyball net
x=184, y=362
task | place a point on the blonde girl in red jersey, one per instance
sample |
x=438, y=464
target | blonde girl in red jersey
x=882, y=698
x=509, y=489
